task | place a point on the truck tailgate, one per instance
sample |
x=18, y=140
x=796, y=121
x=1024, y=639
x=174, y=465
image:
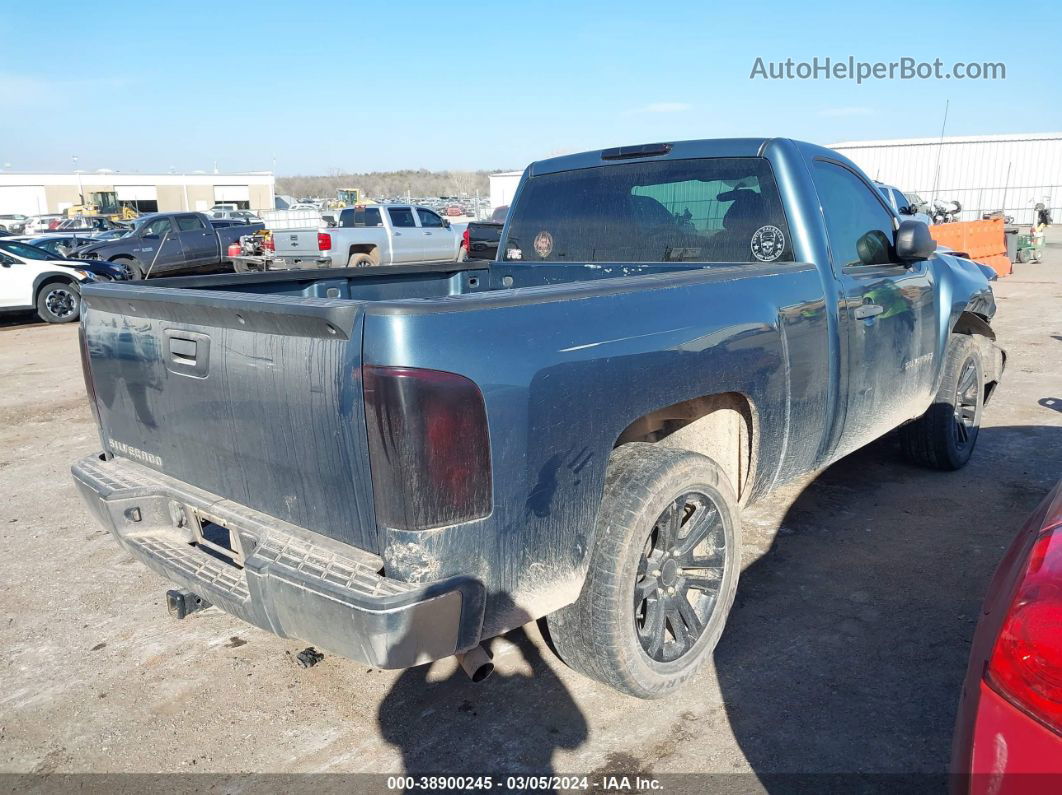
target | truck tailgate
x=296, y=243
x=254, y=398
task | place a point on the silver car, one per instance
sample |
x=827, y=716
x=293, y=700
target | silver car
x=903, y=204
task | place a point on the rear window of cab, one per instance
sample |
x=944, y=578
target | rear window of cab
x=701, y=210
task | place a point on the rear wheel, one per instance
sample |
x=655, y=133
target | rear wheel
x=59, y=302
x=362, y=260
x=944, y=437
x=663, y=573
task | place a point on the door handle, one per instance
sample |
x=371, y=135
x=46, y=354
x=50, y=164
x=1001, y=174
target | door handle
x=427, y=233
x=868, y=310
x=398, y=234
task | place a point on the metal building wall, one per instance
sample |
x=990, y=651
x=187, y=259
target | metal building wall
x=983, y=173
x=503, y=186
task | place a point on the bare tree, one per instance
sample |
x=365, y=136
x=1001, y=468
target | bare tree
x=388, y=184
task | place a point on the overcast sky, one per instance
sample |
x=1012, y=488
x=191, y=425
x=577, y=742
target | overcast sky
x=388, y=85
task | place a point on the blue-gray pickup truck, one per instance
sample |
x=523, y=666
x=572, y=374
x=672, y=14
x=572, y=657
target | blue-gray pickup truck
x=396, y=464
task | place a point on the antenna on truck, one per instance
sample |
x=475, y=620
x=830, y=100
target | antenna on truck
x=158, y=251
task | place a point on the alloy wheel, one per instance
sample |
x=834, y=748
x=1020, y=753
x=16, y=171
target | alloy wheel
x=680, y=574
x=61, y=302
x=966, y=400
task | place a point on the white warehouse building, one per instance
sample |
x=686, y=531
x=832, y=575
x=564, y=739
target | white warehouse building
x=984, y=173
x=502, y=187
x=39, y=194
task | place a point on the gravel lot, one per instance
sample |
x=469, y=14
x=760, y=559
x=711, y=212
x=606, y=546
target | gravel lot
x=844, y=653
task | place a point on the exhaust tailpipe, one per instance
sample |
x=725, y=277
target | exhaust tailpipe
x=476, y=663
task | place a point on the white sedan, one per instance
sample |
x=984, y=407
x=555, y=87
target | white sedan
x=29, y=280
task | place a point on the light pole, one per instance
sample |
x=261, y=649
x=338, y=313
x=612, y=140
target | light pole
x=80, y=188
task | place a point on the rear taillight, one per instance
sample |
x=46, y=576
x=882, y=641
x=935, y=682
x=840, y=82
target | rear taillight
x=429, y=449
x=1026, y=663
x=324, y=241
x=465, y=238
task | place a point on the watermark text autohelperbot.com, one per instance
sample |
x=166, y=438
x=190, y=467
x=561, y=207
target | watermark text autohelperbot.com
x=861, y=71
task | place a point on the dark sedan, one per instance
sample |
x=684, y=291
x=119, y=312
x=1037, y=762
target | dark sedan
x=62, y=245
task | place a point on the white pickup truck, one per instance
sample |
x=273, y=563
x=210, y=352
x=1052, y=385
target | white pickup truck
x=373, y=235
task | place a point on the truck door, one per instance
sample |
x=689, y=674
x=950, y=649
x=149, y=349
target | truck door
x=888, y=313
x=437, y=237
x=161, y=244
x=406, y=242
x=199, y=243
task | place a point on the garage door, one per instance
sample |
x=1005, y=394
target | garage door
x=231, y=193
x=136, y=193
x=24, y=199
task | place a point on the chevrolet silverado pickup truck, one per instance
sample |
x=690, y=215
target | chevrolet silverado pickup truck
x=162, y=244
x=369, y=235
x=398, y=464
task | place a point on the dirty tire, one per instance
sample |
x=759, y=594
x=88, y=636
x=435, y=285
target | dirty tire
x=606, y=633
x=944, y=437
x=363, y=260
x=59, y=302
x=1022, y=256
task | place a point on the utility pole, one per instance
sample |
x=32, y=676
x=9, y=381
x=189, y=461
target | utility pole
x=1006, y=185
x=940, y=146
x=80, y=188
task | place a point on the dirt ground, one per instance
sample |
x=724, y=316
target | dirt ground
x=844, y=652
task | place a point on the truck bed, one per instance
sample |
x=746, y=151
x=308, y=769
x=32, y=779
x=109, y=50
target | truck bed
x=418, y=280
x=246, y=384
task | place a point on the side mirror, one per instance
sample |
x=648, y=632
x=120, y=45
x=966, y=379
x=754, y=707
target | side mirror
x=873, y=248
x=446, y=222
x=914, y=241
x=906, y=210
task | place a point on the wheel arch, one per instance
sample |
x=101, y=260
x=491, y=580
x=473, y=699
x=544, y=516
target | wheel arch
x=970, y=322
x=993, y=358
x=51, y=277
x=722, y=426
x=362, y=248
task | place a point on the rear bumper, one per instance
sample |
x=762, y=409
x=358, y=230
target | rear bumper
x=293, y=582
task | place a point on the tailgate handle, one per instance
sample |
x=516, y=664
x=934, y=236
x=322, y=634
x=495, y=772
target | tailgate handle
x=183, y=348
x=187, y=352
